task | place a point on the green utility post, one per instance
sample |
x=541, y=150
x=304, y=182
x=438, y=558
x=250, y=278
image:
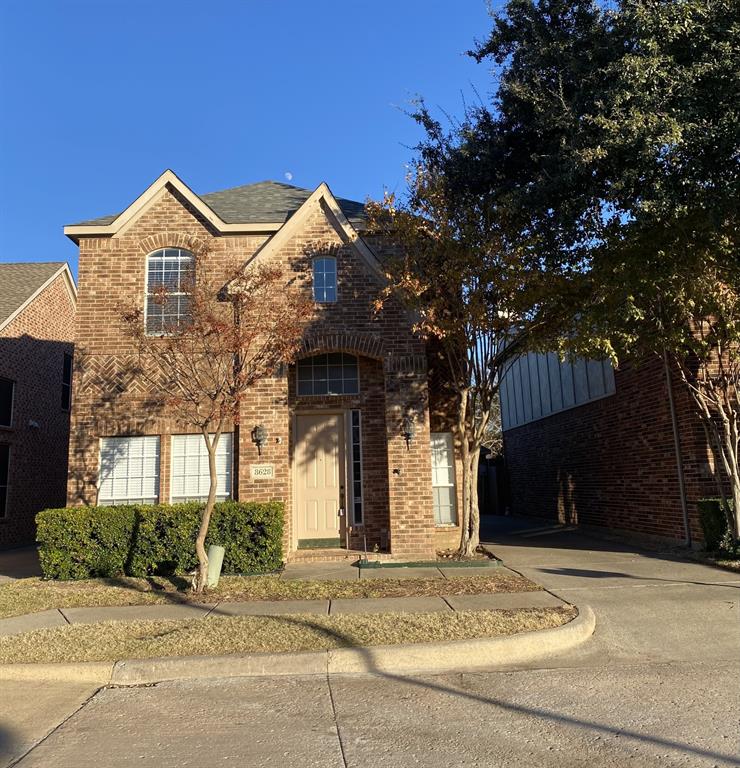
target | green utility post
x=215, y=562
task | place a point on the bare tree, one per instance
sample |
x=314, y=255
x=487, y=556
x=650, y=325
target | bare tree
x=709, y=362
x=239, y=327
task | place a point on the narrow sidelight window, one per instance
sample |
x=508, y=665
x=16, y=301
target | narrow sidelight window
x=325, y=280
x=4, y=475
x=168, y=286
x=357, y=495
x=66, y=382
x=443, y=478
x=6, y=402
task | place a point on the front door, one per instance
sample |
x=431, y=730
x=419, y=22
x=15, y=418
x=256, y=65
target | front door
x=319, y=478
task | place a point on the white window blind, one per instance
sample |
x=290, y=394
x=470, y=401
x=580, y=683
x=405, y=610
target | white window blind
x=190, y=479
x=443, y=478
x=129, y=470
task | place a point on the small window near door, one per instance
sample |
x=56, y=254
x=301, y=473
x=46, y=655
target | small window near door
x=66, y=382
x=6, y=402
x=443, y=478
x=4, y=475
x=356, y=469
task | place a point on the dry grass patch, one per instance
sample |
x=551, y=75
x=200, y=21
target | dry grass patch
x=110, y=641
x=31, y=595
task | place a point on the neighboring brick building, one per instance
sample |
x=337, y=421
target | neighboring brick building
x=588, y=445
x=37, y=310
x=334, y=420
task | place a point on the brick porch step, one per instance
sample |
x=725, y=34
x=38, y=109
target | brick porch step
x=333, y=555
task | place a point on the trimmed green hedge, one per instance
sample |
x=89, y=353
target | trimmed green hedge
x=713, y=522
x=137, y=540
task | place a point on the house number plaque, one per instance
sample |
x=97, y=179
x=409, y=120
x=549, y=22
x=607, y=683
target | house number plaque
x=262, y=471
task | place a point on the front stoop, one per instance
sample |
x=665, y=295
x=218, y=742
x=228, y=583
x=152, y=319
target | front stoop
x=353, y=555
x=333, y=555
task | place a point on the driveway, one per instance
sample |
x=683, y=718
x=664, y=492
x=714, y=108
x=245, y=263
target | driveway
x=656, y=686
x=649, y=607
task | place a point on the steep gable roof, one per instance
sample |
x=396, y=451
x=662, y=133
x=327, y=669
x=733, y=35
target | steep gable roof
x=270, y=203
x=336, y=215
x=22, y=281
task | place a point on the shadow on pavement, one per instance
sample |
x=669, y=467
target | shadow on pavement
x=586, y=573
x=543, y=714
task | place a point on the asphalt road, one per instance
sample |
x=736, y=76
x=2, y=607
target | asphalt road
x=657, y=685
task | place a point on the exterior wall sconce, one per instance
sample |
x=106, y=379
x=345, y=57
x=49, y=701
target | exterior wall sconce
x=408, y=430
x=259, y=437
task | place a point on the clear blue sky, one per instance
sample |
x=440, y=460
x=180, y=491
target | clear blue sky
x=98, y=97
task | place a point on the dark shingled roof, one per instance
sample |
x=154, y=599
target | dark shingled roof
x=18, y=282
x=266, y=202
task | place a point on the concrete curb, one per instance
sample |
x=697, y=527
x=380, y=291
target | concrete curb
x=415, y=658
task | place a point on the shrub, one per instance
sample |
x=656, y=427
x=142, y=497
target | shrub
x=137, y=540
x=713, y=522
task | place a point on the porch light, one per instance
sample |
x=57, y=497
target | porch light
x=408, y=430
x=259, y=437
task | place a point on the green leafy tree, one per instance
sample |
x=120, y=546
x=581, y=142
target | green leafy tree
x=620, y=128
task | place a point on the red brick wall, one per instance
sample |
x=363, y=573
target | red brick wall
x=611, y=462
x=108, y=401
x=32, y=351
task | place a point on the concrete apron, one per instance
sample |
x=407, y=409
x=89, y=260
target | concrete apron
x=476, y=655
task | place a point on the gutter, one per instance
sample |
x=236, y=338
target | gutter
x=677, y=449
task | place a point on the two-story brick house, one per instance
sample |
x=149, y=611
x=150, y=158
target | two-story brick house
x=37, y=310
x=336, y=422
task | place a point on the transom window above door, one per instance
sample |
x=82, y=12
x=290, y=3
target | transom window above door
x=325, y=280
x=335, y=373
x=168, y=284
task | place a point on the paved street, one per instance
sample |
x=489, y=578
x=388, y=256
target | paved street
x=656, y=686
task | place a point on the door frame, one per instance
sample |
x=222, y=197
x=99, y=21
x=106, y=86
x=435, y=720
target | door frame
x=344, y=413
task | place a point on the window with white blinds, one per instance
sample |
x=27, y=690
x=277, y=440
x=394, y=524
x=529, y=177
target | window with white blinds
x=190, y=479
x=443, y=478
x=129, y=470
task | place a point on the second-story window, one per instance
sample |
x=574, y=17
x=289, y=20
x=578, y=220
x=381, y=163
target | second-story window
x=168, y=285
x=6, y=402
x=66, y=382
x=325, y=280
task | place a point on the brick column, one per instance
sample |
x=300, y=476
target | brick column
x=267, y=404
x=409, y=468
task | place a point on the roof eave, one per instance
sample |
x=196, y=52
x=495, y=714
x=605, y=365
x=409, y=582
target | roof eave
x=75, y=231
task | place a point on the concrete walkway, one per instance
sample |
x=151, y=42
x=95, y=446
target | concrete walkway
x=63, y=616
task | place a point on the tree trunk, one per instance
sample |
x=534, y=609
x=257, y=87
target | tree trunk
x=201, y=579
x=465, y=460
x=470, y=522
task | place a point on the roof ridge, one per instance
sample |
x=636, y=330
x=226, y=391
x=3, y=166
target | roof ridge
x=255, y=184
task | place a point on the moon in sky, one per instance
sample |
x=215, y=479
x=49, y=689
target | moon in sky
x=289, y=176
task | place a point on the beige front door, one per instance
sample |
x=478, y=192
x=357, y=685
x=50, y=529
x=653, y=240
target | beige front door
x=319, y=475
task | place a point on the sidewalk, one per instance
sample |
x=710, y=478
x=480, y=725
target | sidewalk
x=62, y=616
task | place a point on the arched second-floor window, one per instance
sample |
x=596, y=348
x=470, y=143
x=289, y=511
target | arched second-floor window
x=325, y=280
x=169, y=277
